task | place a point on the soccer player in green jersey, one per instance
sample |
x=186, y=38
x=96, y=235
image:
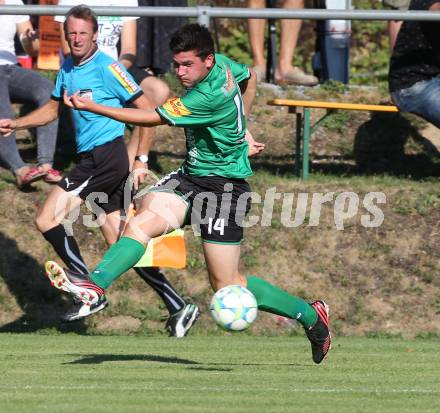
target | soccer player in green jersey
x=209, y=191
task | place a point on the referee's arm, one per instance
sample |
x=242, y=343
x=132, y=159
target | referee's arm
x=40, y=116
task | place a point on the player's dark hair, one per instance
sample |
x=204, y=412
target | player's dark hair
x=82, y=12
x=192, y=37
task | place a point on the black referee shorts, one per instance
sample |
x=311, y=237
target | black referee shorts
x=100, y=176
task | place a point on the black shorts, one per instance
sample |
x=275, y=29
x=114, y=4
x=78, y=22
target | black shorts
x=102, y=172
x=138, y=74
x=217, y=206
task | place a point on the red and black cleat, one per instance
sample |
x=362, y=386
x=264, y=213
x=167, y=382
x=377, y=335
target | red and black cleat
x=79, y=285
x=319, y=334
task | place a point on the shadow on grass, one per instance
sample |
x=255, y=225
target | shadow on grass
x=382, y=145
x=379, y=147
x=376, y=150
x=41, y=304
x=210, y=369
x=102, y=358
x=249, y=365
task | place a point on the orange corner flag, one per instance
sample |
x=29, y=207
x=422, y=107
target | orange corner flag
x=167, y=251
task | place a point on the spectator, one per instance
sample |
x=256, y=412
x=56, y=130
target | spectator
x=394, y=25
x=154, y=35
x=22, y=85
x=285, y=72
x=414, y=77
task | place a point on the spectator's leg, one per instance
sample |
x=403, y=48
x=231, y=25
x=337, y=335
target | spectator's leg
x=132, y=146
x=289, y=38
x=163, y=29
x=9, y=154
x=256, y=39
x=423, y=99
x=29, y=86
x=431, y=111
x=393, y=31
x=286, y=72
x=155, y=90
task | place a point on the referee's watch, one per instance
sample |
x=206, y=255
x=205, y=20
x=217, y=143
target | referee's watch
x=142, y=158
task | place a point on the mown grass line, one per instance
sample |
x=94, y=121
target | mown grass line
x=67, y=373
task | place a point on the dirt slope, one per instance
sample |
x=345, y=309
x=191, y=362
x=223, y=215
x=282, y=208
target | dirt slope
x=384, y=279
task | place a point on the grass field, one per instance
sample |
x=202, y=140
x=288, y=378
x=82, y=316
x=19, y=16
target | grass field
x=71, y=373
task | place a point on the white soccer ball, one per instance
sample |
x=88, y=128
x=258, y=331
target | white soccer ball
x=234, y=308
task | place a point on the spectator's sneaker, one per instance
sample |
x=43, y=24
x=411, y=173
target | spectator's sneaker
x=260, y=72
x=180, y=323
x=80, y=286
x=319, y=333
x=296, y=76
x=79, y=310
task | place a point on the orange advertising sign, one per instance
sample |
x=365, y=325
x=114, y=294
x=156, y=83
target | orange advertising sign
x=48, y=56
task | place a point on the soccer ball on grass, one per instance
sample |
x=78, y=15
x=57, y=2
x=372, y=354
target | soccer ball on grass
x=234, y=308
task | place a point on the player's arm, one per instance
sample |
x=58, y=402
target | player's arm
x=248, y=89
x=435, y=7
x=254, y=147
x=127, y=55
x=28, y=37
x=39, y=117
x=127, y=115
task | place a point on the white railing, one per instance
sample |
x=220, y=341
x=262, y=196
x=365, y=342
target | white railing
x=204, y=13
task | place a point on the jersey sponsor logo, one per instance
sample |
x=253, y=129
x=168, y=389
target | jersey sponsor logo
x=229, y=84
x=229, y=80
x=123, y=78
x=176, y=108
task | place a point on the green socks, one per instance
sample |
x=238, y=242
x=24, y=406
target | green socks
x=274, y=300
x=119, y=258
x=123, y=255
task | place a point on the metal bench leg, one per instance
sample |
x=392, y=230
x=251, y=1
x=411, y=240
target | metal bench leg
x=271, y=61
x=299, y=120
x=305, y=166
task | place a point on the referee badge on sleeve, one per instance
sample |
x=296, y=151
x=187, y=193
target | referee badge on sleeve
x=124, y=78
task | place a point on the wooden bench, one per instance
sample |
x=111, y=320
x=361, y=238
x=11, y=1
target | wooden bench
x=304, y=129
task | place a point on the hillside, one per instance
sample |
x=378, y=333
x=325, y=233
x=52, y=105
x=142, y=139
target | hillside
x=382, y=280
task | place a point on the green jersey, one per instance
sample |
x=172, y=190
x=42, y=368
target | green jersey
x=212, y=114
